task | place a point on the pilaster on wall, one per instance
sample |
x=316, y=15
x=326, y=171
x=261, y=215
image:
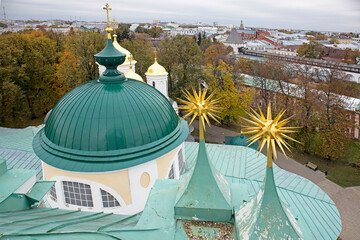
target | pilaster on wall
x=160, y=82
x=357, y=125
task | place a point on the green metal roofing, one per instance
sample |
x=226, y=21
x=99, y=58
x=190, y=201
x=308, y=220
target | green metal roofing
x=242, y=140
x=316, y=213
x=110, y=57
x=49, y=223
x=109, y=124
x=19, y=159
x=204, y=194
x=265, y=216
x=20, y=139
x=318, y=216
x=12, y=179
x=39, y=190
x=16, y=148
x=157, y=221
x=10, y=182
x=99, y=161
x=107, y=117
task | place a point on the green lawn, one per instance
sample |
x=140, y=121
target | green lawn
x=341, y=172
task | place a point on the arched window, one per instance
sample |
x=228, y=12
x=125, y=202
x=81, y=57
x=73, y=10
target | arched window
x=108, y=199
x=153, y=84
x=53, y=193
x=171, y=172
x=77, y=194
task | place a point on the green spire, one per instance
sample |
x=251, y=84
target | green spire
x=265, y=216
x=110, y=57
x=205, y=193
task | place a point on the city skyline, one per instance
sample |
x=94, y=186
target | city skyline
x=320, y=15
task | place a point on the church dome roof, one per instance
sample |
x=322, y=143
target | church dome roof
x=109, y=124
x=121, y=49
x=156, y=69
x=133, y=75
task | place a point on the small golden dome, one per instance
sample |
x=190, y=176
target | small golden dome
x=156, y=69
x=121, y=49
x=133, y=75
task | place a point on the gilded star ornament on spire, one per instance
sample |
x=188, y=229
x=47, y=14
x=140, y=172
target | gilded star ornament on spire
x=200, y=106
x=269, y=131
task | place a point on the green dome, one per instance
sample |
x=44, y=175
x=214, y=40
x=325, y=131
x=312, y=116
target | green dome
x=242, y=140
x=109, y=124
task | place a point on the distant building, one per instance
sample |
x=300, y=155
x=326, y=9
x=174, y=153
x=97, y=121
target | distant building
x=242, y=25
x=235, y=41
x=247, y=34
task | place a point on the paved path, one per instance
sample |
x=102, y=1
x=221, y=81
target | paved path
x=347, y=200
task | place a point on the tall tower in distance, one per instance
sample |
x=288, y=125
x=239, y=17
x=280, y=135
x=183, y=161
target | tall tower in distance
x=2, y=5
x=242, y=25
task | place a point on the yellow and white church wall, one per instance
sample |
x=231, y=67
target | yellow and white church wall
x=119, y=192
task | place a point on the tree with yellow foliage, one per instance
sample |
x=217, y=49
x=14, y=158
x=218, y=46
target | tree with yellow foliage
x=234, y=100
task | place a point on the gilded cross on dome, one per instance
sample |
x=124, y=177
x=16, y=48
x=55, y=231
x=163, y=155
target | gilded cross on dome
x=108, y=29
x=114, y=24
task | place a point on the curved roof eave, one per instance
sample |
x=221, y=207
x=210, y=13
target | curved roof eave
x=105, y=161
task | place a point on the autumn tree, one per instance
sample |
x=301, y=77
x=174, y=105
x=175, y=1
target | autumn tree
x=182, y=58
x=205, y=43
x=13, y=104
x=154, y=32
x=334, y=41
x=123, y=32
x=262, y=77
x=142, y=51
x=330, y=141
x=27, y=64
x=84, y=45
x=67, y=74
x=217, y=52
x=278, y=70
x=332, y=122
x=221, y=80
x=305, y=103
x=245, y=65
x=321, y=37
x=312, y=49
x=351, y=55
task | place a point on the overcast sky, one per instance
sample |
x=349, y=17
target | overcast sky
x=326, y=15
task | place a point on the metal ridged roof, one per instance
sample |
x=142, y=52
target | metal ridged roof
x=105, y=117
x=317, y=214
x=20, y=139
x=16, y=148
x=19, y=159
x=234, y=38
x=104, y=127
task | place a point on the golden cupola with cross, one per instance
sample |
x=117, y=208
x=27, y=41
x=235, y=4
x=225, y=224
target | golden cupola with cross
x=157, y=76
